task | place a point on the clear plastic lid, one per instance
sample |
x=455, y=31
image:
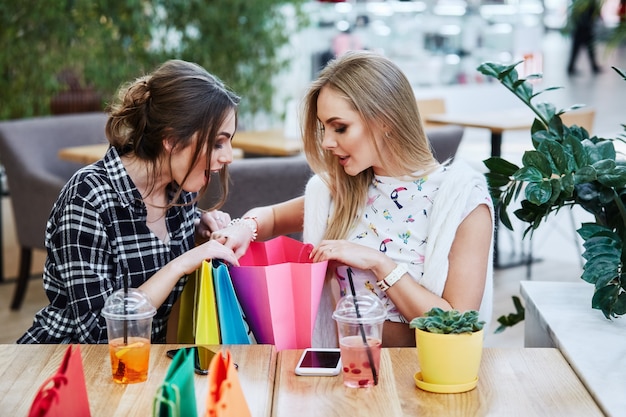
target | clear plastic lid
x=130, y=304
x=363, y=308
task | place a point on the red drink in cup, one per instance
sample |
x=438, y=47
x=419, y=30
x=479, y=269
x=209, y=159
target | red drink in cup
x=360, y=321
x=357, y=372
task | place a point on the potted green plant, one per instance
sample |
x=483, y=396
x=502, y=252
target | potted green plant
x=449, y=349
x=565, y=168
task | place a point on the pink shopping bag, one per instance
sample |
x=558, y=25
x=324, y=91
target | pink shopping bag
x=279, y=290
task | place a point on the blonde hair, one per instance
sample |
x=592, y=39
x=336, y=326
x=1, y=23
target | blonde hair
x=383, y=97
x=179, y=100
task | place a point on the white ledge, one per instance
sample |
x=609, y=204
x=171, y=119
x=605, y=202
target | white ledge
x=559, y=315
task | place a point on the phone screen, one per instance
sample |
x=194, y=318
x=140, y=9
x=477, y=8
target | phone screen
x=320, y=359
x=319, y=362
x=202, y=358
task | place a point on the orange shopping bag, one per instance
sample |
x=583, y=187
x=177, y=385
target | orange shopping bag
x=64, y=394
x=225, y=398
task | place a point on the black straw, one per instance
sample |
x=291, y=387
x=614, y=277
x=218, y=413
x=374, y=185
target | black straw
x=370, y=357
x=125, y=311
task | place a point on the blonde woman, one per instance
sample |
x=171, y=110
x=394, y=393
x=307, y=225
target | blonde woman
x=416, y=233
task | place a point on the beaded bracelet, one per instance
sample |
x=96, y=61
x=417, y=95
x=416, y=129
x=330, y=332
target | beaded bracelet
x=393, y=277
x=253, y=229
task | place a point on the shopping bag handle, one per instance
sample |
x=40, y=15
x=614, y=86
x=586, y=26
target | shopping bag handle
x=305, y=253
x=47, y=394
x=160, y=399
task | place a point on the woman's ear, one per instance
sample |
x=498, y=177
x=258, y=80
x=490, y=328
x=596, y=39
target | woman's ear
x=169, y=143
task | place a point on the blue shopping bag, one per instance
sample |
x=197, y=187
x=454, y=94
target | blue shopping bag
x=232, y=323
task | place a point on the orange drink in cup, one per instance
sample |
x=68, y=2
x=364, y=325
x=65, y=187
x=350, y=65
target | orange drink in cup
x=130, y=361
x=128, y=314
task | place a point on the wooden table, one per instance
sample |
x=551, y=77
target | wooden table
x=495, y=122
x=512, y=382
x=88, y=154
x=23, y=368
x=266, y=143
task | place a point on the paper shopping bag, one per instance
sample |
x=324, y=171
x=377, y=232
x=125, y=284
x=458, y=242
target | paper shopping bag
x=279, y=289
x=64, y=394
x=232, y=323
x=197, y=320
x=225, y=397
x=176, y=396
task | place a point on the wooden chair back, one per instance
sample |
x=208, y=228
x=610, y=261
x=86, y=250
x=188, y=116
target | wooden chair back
x=584, y=117
x=428, y=106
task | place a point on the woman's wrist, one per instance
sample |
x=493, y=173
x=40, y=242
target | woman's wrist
x=250, y=223
x=394, y=276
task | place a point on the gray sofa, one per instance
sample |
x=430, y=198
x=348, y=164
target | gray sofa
x=35, y=174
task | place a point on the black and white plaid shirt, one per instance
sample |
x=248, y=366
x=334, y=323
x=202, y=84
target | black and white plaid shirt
x=97, y=237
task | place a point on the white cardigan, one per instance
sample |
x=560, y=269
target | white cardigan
x=457, y=186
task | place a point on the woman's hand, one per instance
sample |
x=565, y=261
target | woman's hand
x=354, y=255
x=160, y=285
x=237, y=236
x=192, y=259
x=209, y=222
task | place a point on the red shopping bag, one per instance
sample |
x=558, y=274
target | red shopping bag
x=64, y=394
x=279, y=289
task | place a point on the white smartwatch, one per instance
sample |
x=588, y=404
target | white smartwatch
x=393, y=277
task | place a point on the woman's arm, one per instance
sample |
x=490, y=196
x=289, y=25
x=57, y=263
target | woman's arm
x=468, y=263
x=266, y=222
x=279, y=219
x=160, y=285
x=467, y=272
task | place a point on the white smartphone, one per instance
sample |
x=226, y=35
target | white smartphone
x=319, y=362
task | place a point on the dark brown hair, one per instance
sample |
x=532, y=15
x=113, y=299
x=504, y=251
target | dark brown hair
x=177, y=100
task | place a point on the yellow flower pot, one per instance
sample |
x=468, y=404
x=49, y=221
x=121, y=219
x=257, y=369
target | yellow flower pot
x=448, y=362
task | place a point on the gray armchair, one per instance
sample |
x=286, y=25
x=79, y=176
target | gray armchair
x=445, y=140
x=35, y=174
x=260, y=182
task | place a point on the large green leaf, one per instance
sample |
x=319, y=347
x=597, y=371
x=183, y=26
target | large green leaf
x=585, y=174
x=539, y=193
x=497, y=180
x=576, y=148
x=604, y=298
x=619, y=308
x=529, y=174
x=600, y=269
x=567, y=186
x=538, y=160
x=615, y=177
x=555, y=154
x=504, y=217
x=500, y=166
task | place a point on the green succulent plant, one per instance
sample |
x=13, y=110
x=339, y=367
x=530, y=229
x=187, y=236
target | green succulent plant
x=567, y=167
x=437, y=320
